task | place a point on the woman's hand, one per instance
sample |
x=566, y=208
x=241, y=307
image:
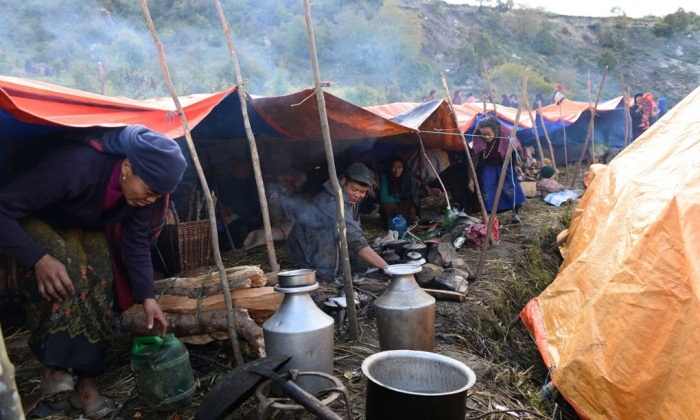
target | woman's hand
x=52, y=278
x=471, y=184
x=154, y=317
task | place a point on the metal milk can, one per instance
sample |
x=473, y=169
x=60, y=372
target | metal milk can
x=405, y=313
x=301, y=330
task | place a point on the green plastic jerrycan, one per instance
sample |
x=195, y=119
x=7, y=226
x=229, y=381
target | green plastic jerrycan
x=162, y=371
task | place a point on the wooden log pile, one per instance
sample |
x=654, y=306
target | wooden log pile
x=196, y=312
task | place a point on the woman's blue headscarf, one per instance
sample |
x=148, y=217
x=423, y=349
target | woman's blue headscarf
x=156, y=158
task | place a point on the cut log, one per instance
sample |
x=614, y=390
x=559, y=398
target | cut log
x=189, y=325
x=446, y=295
x=238, y=277
x=261, y=302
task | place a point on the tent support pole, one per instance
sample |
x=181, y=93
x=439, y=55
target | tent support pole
x=339, y=200
x=591, y=125
x=488, y=82
x=546, y=136
x=566, y=152
x=501, y=180
x=205, y=188
x=472, y=169
x=534, y=126
x=625, y=99
x=262, y=198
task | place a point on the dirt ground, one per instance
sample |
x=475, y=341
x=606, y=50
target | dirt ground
x=484, y=332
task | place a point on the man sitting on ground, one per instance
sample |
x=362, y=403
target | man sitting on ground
x=313, y=241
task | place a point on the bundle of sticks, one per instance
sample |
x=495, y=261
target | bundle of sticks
x=196, y=312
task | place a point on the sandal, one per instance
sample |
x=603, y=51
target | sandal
x=48, y=408
x=94, y=411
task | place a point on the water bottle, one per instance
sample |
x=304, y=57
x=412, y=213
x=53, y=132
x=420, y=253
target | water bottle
x=162, y=372
x=398, y=224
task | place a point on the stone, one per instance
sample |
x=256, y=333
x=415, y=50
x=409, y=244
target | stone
x=451, y=281
x=426, y=276
x=459, y=264
x=442, y=254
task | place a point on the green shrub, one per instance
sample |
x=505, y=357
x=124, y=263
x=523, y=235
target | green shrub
x=546, y=43
x=607, y=58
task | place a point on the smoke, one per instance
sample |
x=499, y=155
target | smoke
x=66, y=43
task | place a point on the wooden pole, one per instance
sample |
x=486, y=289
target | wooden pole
x=262, y=197
x=546, y=136
x=566, y=153
x=590, y=130
x=205, y=188
x=501, y=180
x=472, y=169
x=488, y=81
x=339, y=200
x=10, y=401
x=625, y=100
x=534, y=128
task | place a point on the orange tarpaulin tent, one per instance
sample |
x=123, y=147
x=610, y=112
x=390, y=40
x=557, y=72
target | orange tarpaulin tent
x=620, y=324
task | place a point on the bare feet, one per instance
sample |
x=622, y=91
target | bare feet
x=87, y=390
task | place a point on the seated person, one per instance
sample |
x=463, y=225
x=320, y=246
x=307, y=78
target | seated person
x=398, y=194
x=552, y=191
x=548, y=181
x=313, y=241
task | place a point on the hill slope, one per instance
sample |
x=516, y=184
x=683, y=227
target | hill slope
x=371, y=51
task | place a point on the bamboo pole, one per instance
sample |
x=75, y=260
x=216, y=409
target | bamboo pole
x=504, y=170
x=625, y=100
x=534, y=127
x=488, y=82
x=591, y=125
x=9, y=396
x=205, y=188
x=262, y=197
x=472, y=169
x=566, y=152
x=339, y=200
x=546, y=136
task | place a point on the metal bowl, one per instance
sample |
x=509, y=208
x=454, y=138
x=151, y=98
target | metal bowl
x=296, y=278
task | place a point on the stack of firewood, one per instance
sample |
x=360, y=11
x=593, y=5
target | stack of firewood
x=196, y=311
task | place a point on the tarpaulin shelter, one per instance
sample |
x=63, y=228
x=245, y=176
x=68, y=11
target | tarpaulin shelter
x=32, y=109
x=572, y=119
x=618, y=327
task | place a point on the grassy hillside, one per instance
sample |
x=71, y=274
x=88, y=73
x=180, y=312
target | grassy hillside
x=371, y=51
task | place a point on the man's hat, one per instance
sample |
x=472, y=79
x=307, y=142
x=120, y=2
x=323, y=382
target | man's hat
x=359, y=173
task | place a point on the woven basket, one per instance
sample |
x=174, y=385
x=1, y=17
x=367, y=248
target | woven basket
x=185, y=246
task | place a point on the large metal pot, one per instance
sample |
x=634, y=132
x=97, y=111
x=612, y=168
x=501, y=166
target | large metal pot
x=409, y=384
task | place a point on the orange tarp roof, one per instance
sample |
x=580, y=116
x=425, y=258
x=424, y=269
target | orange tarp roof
x=619, y=324
x=36, y=102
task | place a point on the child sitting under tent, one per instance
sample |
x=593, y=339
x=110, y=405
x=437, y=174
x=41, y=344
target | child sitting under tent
x=552, y=191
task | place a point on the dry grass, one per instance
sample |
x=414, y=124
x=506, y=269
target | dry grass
x=484, y=332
